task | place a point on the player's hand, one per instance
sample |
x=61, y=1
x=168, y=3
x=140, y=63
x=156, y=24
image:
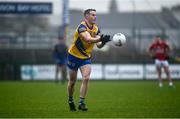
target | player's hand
x=167, y=57
x=105, y=38
x=153, y=57
x=98, y=37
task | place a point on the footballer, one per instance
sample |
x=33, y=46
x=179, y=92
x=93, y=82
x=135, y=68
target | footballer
x=159, y=51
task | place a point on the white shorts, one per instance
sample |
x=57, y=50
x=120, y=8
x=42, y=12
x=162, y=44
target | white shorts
x=161, y=63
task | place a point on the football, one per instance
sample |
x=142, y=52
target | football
x=119, y=39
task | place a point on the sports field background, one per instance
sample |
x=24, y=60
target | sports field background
x=20, y=99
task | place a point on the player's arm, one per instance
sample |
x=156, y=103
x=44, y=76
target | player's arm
x=54, y=49
x=86, y=36
x=82, y=30
x=151, y=51
x=168, y=47
x=103, y=38
x=168, y=50
x=100, y=45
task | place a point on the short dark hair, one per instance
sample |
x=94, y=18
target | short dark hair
x=87, y=11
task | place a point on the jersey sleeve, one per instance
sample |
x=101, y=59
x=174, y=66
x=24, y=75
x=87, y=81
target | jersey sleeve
x=150, y=47
x=81, y=28
x=166, y=44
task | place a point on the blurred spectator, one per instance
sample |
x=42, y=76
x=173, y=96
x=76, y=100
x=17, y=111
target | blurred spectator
x=60, y=58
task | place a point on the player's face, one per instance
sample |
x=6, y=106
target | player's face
x=158, y=39
x=92, y=17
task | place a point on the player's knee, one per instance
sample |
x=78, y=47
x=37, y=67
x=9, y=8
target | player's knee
x=86, y=78
x=72, y=82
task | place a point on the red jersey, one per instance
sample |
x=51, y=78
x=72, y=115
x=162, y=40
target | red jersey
x=160, y=50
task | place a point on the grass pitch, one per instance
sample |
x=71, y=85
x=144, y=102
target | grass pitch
x=112, y=99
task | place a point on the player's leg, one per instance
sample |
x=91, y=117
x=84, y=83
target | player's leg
x=64, y=73
x=85, y=71
x=73, y=64
x=70, y=87
x=167, y=71
x=159, y=72
x=56, y=73
x=72, y=81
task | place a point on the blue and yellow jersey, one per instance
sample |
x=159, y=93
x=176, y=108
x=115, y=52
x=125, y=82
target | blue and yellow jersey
x=81, y=48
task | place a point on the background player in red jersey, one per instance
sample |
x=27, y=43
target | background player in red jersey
x=159, y=51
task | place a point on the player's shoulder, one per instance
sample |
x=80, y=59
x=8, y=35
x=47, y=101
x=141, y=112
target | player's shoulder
x=82, y=27
x=153, y=44
x=82, y=24
x=164, y=42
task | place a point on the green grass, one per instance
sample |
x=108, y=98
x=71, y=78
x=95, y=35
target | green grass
x=111, y=99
